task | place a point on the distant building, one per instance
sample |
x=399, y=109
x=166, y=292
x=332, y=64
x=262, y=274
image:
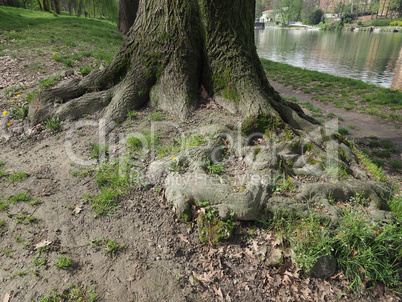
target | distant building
x=268, y=16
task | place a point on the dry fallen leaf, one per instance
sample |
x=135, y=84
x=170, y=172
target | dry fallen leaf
x=286, y=281
x=305, y=292
x=183, y=238
x=201, y=278
x=7, y=297
x=218, y=292
x=43, y=243
x=77, y=209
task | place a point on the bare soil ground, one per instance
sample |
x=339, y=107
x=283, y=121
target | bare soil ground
x=162, y=259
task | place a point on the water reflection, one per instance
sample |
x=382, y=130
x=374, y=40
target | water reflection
x=397, y=79
x=372, y=57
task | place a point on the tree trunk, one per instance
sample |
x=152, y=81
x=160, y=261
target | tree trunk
x=172, y=49
x=46, y=5
x=56, y=4
x=127, y=13
x=40, y=5
x=79, y=8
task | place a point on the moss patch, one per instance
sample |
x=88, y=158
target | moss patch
x=261, y=123
x=213, y=230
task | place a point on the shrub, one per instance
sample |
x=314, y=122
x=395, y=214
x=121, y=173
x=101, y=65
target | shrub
x=381, y=22
x=396, y=23
x=315, y=17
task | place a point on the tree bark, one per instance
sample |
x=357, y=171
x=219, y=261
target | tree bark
x=56, y=5
x=127, y=13
x=46, y=5
x=172, y=49
x=79, y=8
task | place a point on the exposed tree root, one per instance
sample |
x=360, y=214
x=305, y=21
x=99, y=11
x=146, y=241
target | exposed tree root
x=273, y=182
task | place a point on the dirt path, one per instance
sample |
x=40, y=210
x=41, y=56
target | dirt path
x=365, y=125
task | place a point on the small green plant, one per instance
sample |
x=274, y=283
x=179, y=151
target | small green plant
x=182, y=143
x=156, y=117
x=81, y=173
x=131, y=114
x=343, y=131
x=3, y=206
x=96, y=242
x=18, y=273
x=30, y=96
x=24, y=218
x=7, y=252
x=98, y=150
x=39, y=261
x=358, y=199
x=175, y=165
x=143, y=142
x=53, y=125
x=215, y=168
x=50, y=81
x=21, y=196
x=334, y=170
x=19, y=112
x=112, y=248
x=396, y=164
x=63, y=262
x=17, y=176
x=73, y=294
x=210, y=212
x=85, y=70
x=35, y=202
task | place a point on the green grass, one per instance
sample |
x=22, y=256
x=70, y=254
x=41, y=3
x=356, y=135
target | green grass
x=156, y=117
x=24, y=218
x=46, y=34
x=98, y=150
x=182, y=143
x=21, y=196
x=49, y=81
x=114, y=180
x=112, y=248
x=17, y=177
x=53, y=125
x=63, y=262
x=74, y=293
x=367, y=252
x=343, y=131
x=342, y=92
x=374, y=171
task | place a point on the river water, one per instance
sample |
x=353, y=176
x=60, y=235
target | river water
x=371, y=57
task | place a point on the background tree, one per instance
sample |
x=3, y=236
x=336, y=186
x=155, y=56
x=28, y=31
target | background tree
x=56, y=6
x=127, y=13
x=288, y=10
x=262, y=5
x=315, y=17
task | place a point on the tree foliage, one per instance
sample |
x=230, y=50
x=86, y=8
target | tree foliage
x=315, y=17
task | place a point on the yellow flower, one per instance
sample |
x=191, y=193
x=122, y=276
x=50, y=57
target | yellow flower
x=18, y=95
x=12, y=101
x=54, y=53
x=5, y=112
x=174, y=158
x=9, y=124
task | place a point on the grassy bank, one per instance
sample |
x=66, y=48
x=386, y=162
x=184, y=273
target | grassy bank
x=62, y=38
x=342, y=92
